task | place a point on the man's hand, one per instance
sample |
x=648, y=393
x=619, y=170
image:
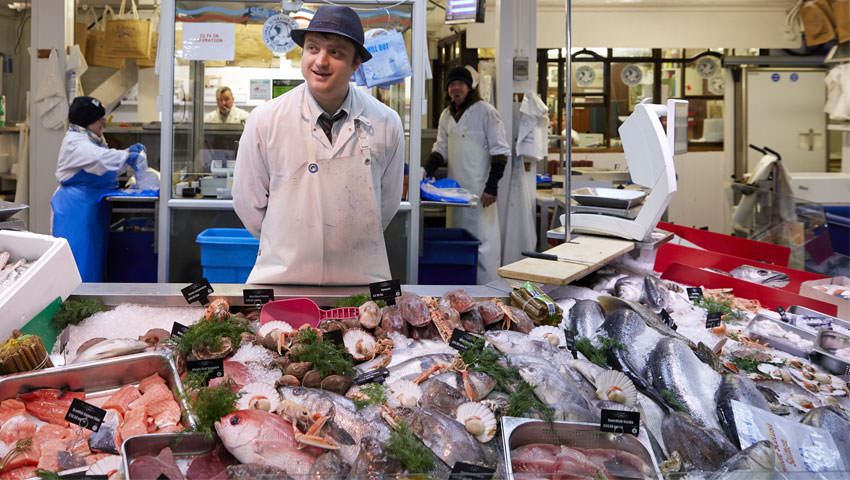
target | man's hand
x=487, y=199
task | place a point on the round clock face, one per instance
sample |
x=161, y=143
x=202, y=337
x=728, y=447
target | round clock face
x=631, y=75
x=585, y=75
x=716, y=85
x=707, y=67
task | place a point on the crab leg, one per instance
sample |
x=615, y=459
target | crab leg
x=427, y=373
x=468, y=387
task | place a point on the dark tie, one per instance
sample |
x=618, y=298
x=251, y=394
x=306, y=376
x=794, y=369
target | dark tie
x=327, y=122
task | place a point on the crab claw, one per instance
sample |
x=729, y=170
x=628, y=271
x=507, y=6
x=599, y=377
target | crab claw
x=468, y=387
x=390, y=417
x=325, y=443
x=427, y=373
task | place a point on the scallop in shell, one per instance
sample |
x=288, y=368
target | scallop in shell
x=370, y=314
x=260, y=396
x=404, y=393
x=616, y=387
x=478, y=420
x=270, y=327
x=553, y=335
x=360, y=344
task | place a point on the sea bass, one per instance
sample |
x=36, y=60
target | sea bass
x=700, y=448
x=742, y=389
x=114, y=347
x=585, y=318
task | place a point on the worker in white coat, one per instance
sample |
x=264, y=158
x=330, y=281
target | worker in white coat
x=87, y=169
x=471, y=140
x=320, y=169
x=225, y=111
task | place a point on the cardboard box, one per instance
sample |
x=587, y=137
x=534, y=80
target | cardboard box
x=807, y=289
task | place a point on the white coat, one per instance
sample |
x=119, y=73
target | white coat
x=236, y=115
x=78, y=152
x=305, y=198
x=467, y=146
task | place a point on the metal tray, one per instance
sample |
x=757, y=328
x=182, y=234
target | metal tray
x=181, y=444
x=807, y=312
x=779, y=343
x=608, y=197
x=517, y=432
x=827, y=342
x=7, y=209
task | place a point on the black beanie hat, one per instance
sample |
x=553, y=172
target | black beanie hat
x=459, y=73
x=85, y=110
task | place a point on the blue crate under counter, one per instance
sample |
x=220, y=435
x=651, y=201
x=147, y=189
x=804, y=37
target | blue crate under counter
x=227, y=254
x=449, y=257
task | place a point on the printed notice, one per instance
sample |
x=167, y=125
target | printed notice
x=209, y=41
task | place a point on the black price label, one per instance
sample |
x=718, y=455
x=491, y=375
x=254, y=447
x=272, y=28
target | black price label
x=85, y=415
x=462, y=341
x=468, y=471
x=847, y=371
x=375, y=376
x=668, y=320
x=387, y=291
x=780, y=311
x=178, y=329
x=211, y=368
x=333, y=336
x=198, y=292
x=713, y=319
x=571, y=342
x=82, y=476
x=257, y=296
x=694, y=293
x=620, y=421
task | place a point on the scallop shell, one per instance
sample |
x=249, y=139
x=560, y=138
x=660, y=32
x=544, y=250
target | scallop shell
x=370, y=314
x=360, y=344
x=478, y=420
x=553, y=335
x=770, y=370
x=260, y=396
x=269, y=327
x=800, y=402
x=404, y=393
x=616, y=387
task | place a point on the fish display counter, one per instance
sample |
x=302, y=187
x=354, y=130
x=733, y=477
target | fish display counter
x=624, y=375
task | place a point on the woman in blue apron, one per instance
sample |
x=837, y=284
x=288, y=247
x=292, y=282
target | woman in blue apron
x=87, y=169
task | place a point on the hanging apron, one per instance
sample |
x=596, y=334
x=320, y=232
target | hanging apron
x=469, y=164
x=322, y=224
x=80, y=217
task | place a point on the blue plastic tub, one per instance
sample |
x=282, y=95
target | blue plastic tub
x=838, y=223
x=227, y=254
x=449, y=257
x=130, y=255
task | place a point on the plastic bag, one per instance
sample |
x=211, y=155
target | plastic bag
x=445, y=190
x=389, y=63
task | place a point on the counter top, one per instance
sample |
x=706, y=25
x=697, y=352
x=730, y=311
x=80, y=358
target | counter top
x=215, y=204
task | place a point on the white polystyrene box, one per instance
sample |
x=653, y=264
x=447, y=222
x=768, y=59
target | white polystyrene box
x=54, y=274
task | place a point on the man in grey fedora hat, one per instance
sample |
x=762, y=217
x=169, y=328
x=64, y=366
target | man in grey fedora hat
x=320, y=169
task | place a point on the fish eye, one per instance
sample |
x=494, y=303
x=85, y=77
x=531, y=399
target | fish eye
x=234, y=420
x=762, y=272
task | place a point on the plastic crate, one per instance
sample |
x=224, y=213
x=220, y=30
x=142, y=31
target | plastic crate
x=130, y=256
x=449, y=257
x=227, y=254
x=838, y=224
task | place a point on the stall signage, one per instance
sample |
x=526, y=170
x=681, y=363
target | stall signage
x=375, y=376
x=461, y=340
x=694, y=293
x=386, y=291
x=334, y=336
x=178, y=329
x=209, y=41
x=85, y=415
x=468, y=471
x=257, y=296
x=198, y=292
x=620, y=421
x=569, y=335
x=712, y=320
x=668, y=320
x=211, y=368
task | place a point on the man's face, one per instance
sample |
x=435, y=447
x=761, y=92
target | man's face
x=224, y=100
x=328, y=62
x=458, y=90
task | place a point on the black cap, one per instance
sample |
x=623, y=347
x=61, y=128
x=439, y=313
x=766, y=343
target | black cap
x=459, y=73
x=85, y=110
x=338, y=20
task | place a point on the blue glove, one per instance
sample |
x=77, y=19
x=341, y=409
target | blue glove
x=138, y=161
x=137, y=147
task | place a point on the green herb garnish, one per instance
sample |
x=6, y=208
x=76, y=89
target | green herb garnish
x=371, y=394
x=727, y=313
x=356, y=301
x=210, y=404
x=21, y=446
x=745, y=364
x=72, y=312
x=327, y=357
x=207, y=335
x=598, y=355
x=671, y=399
x=404, y=447
x=47, y=474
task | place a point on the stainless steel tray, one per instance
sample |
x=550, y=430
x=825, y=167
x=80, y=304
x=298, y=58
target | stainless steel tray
x=827, y=342
x=7, y=209
x=181, y=444
x=779, y=343
x=807, y=312
x=517, y=432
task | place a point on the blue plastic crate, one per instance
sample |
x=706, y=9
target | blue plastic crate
x=449, y=257
x=227, y=254
x=838, y=223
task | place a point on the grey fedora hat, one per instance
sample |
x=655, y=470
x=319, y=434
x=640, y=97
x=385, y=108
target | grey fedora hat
x=338, y=20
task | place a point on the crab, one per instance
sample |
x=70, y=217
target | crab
x=311, y=423
x=457, y=365
x=445, y=319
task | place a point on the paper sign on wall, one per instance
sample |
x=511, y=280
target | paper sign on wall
x=208, y=41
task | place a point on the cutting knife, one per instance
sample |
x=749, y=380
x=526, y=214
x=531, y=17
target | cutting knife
x=555, y=258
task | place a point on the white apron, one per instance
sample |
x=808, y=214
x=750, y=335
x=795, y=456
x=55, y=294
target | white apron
x=322, y=224
x=469, y=164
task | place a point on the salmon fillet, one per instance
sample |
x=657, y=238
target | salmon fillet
x=122, y=399
x=11, y=408
x=134, y=423
x=153, y=393
x=148, y=381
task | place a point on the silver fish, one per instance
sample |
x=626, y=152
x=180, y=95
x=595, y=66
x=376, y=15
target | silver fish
x=113, y=347
x=758, y=461
x=655, y=294
x=700, y=448
x=329, y=465
x=585, y=318
x=557, y=391
x=742, y=389
x=411, y=369
x=629, y=288
x=373, y=462
x=674, y=368
x=405, y=348
x=837, y=423
x=439, y=396
x=652, y=319
x=762, y=276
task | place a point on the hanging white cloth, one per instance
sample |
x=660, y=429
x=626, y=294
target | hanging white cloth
x=50, y=98
x=532, y=133
x=838, y=93
x=516, y=206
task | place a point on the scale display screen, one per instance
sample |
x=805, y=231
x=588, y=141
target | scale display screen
x=465, y=11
